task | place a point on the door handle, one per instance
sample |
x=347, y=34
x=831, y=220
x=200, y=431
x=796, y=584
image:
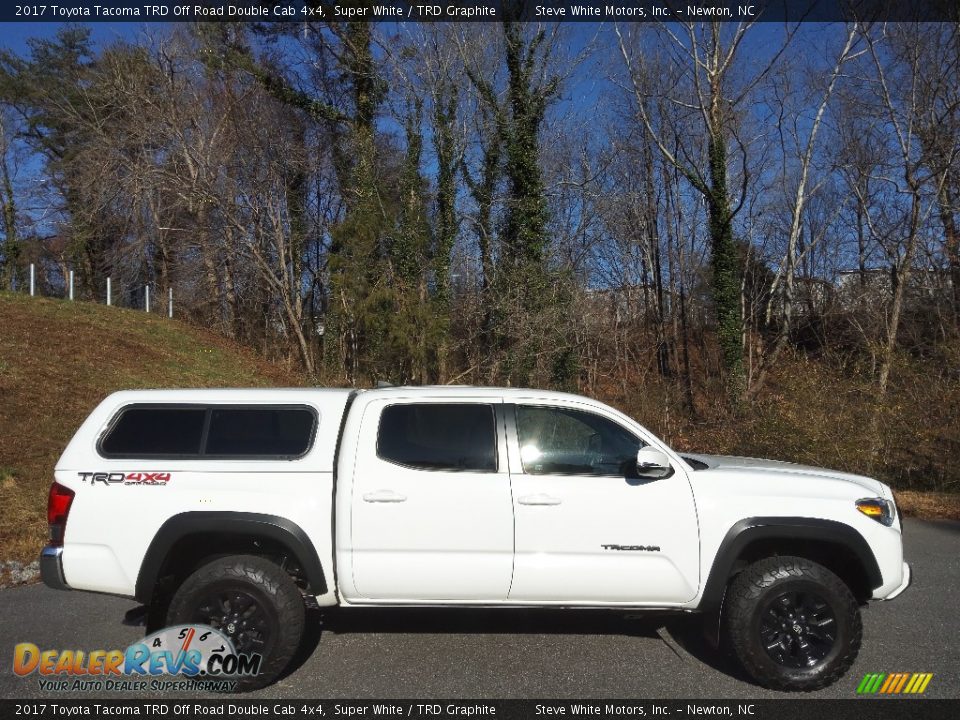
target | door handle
x=384, y=496
x=539, y=499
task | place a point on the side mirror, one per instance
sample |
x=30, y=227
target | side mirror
x=653, y=463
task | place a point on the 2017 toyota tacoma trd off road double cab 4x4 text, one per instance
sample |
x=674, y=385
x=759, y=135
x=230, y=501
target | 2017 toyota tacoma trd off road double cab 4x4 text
x=235, y=508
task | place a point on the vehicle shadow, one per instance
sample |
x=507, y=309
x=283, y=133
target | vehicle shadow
x=697, y=637
x=691, y=638
x=312, y=631
x=684, y=631
x=490, y=621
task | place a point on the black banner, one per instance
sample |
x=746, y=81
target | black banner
x=484, y=11
x=232, y=707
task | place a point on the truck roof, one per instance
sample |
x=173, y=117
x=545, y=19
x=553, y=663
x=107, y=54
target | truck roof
x=472, y=391
x=226, y=394
x=291, y=394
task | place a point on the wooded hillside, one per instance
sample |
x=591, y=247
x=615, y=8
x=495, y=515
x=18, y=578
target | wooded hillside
x=744, y=235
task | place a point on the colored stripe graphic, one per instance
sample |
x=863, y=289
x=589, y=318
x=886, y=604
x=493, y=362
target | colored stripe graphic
x=862, y=687
x=903, y=681
x=894, y=683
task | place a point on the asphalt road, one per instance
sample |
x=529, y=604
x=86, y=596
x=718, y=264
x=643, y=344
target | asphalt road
x=498, y=654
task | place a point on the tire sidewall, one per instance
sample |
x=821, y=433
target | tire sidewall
x=270, y=587
x=844, y=631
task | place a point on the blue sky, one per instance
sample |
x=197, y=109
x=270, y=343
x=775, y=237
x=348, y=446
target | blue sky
x=584, y=101
x=15, y=35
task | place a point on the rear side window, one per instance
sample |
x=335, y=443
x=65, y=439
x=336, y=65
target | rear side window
x=271, y=432
x=434, y=436
x=155, y=432
x=220, y=431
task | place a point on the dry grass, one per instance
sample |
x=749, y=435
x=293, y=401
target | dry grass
x=819, y=413
x=929, y=505
x=59, y=359
x=815, y=412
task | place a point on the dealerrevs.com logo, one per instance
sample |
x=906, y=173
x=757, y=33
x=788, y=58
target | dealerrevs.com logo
x=176, y=658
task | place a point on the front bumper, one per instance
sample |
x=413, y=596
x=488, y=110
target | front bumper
x=51, y=568
x=907, y=579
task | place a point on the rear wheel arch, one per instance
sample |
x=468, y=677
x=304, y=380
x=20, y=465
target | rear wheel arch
x=186, y=541
x=835, y=545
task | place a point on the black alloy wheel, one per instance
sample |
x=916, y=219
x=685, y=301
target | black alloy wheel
x=798, y=629
x=239, y=615
x=792, y=623
x=251, y=600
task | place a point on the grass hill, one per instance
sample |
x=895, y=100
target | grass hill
x=59, y=359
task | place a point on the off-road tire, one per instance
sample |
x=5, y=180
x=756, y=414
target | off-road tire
x=766, y=582
x=269, y=586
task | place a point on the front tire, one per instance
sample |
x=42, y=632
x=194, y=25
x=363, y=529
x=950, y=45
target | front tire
x=252, y=601
x=792, y=624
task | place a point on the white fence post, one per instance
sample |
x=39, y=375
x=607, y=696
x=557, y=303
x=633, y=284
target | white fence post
x=170, y=303
x=32, y=280
x=71, y=284
x=108, y=293
x=146, y=298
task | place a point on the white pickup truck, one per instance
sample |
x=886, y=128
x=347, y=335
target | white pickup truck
x=238, y=508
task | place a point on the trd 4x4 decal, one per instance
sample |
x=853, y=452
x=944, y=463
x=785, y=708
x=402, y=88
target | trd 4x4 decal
x=119, y=478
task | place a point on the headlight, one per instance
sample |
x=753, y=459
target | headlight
x=883, y=511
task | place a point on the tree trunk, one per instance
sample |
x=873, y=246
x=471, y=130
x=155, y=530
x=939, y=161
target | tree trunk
x=208, y=254
x=901, y=278
x=725, y=264
x=951, y=241
x=11, y=246
x=653, y=240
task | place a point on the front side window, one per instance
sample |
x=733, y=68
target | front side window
x=435, y=436
x=563, y=441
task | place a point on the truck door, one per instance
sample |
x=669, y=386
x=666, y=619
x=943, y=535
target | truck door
x=588, y=529
x=432, y=515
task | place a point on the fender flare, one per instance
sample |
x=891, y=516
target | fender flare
x=749, y=530
x=228, y=523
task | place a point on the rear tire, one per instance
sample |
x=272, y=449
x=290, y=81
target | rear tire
x=252, y=601
x=792, y=624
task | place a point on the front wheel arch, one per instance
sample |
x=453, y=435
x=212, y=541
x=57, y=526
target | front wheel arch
x=835, y=545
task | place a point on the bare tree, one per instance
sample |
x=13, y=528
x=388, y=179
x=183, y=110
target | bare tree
x=10, y=251
x=711, y=88
x=805, y=142
x=938, y=129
